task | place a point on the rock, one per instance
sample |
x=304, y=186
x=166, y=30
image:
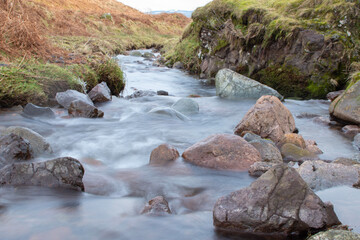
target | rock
x=267, y=150
x=291, y=152
x=351, y=130
x=279, y=202
x=251, y=137
x=223, y=151
x=268, y=118
x=347, y=106
x=346, y=161
x=230, y=84
x=37, y=142
x=333, y=95
x=259, y=168
x=322, y=120
x=307, y=115
x=312, y=147
x=356, y=142
x=186, y=106
x=32, y=110
x=148, y=55
x=335, y=235
x=162, y=93
x=100, y=93
x=293, y=138
x=178, y=65
x=163, y=155
x=141, y=93
x=79, y=108
x=320, y=175
x=135, y=54
x=14, y=148
x=169, y=112
x=65, y=98
x=157, y=206
x=61, y=172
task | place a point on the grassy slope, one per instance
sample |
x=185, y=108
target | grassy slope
x=339, y=18
x=74, y=34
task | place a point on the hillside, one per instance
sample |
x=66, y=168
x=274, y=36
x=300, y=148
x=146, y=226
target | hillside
x=53, y=45
x=303, y=48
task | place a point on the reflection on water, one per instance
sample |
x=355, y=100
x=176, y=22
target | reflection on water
x=115, y=152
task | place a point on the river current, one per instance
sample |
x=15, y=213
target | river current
x=115, y=153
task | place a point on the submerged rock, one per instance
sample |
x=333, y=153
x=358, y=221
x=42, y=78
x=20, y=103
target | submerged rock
x=268, y=118
x=230, y=84
x=162, y=93
x=163, y=155
x=61, y=172
x=32, y=110
x=135, y=54
x=347, y=106
x=223, y=151
x=14, y=148
x=279, y=202
x=141, y=93
x=186, y=106
x=335, y=235
x=66, y=98
x=79, y=108
x=100, y=93
x=37, y=142
x=167, y=111
x=157, y=206
x=320, y=175
x=356, y=142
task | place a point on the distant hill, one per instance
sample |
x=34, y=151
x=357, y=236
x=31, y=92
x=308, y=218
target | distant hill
x=186, y=13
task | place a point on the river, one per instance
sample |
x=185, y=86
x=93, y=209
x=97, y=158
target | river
x=115, y=153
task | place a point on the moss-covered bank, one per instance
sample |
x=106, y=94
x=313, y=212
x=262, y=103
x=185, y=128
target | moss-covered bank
x=303, y=48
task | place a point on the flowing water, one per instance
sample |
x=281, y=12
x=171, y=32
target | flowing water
x=115, y=153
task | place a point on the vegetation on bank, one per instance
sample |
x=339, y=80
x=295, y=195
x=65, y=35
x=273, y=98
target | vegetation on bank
x=55, y=44
x=276, y=21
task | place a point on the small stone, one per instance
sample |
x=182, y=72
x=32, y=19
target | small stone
x=163, y=155
x=178, y=65
x=291, y=152
x=351, y=130
x=162, y=93
x=100, y=93
x=268, y=151
x=292, y=138
x=259, y=168
x=66, y=98
x=333, y=95
x=79, y=108
x=32, y=110
x=141, y=93
x=335, y=235
x=157, y=206
x=170, y=112
x=312, y=147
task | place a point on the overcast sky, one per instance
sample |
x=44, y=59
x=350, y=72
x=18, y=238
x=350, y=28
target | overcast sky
x=153, y=5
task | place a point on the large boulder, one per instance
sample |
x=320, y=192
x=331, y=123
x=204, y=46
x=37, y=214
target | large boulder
x=66, y=98
x=335, y=235
x=230, y=84
x=347, y=106
x=100, y=93
x=186, y=106
x=223, y=151
x=157, y=206
x=79, y=108
x=32, y=110
x=37, y=142
x=163, y=155
x=61, y=172
x=170, y=112
x=268, y=118
x=14, y=148
x=279, y=202
x=320, y=175
x=268, y=151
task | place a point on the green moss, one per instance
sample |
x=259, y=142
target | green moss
x=111, y=73
x=221, y=44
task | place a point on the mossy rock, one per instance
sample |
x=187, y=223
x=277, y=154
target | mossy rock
x=111, y=73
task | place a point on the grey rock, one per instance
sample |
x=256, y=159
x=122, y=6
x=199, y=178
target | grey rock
x=351, y=130
x=32, y=110
x=279, y=202
x=14, y=148
x=135, y=54
x=320, y=175
x=356, y=142
x=157, y=206
x=58, y=173
x=268, y=151
x=335, y=235
x=37, y=142
x=346, y=161
x=178, y=65
x=230, y=84
x=162, y=93
x=333, y=95
x=141, y=93
x=167, y=111
x=148, y=55
x=186, y=106
x=79, y=108
x=251, y=137
x=259, y=168
x=65, y=98
x=100, y=93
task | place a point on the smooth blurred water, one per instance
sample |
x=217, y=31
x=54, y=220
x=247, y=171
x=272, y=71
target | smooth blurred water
x=115, y=152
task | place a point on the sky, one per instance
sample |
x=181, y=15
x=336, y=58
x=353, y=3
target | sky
x=154, y=5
